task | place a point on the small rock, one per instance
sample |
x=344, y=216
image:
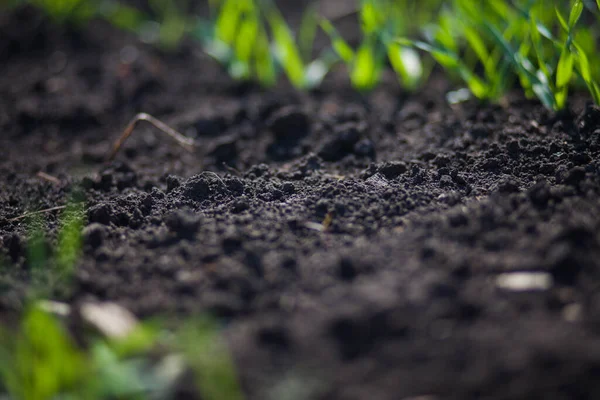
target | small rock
x=346, y=269
x=100, y=213
x=574, y=176
x=110, y=319
x=524, y=281
x=54, y=307
x=240, y=205
x=342, y=142
x=572, y=312
x=173, y=182
x=507, y=186
x=365, y=148
x=589, y=120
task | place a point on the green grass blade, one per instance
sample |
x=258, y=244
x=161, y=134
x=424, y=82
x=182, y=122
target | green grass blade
x=263, y=61
x=575, y=13
x=37, y=252
x=452, y=62
x=208, y=356
x=366, y=68
x=230, y=14
x=308, y=31
x=317, y=69
x=536, y=39
x=371, y=16
x=564, y=69
x=407, y=64
x=286, y=50
x=341, y=47
x=561, y=19
x=70, y=239
x=586, y=73
x=244, y=44
x=524, y=68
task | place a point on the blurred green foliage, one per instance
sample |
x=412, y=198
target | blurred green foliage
x=40, y=360
x=546, y=47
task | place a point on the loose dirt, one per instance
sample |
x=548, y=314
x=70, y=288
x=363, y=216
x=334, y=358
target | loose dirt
x=355, y=247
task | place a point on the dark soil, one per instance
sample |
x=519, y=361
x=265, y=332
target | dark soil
x=351, y=245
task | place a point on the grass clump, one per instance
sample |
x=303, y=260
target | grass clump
x=381, y=22
x=254, y=42
x=491, y=45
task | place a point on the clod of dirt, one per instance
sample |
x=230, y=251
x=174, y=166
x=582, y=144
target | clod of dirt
x=289, y=124
x=589, y=120
x=392, y=169
x=183, y=223
x=94, y=235
x=342, y=142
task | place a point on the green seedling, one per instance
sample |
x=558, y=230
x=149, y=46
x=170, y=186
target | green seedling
x=237, y=39
x=47, y=267
x=209, y=358
x=380, y=23
x=295, y=56
x=489, y=45
x=457, y=45
x=365, y=64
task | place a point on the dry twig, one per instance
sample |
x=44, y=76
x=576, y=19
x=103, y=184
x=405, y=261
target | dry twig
x=47, y=177
x=47, y=210
x=184, y=141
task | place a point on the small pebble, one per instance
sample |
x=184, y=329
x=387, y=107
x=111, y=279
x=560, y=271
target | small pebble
x=524, y=281
x=110, y=319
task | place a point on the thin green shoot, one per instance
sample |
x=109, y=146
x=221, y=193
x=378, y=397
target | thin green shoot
x=70, y=239
x=209, y=358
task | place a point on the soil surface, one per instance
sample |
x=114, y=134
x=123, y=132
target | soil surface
x=355, y=247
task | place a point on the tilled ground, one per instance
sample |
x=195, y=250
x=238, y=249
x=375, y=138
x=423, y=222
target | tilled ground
x=355, y=247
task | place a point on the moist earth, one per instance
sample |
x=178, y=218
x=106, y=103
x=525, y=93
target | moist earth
x=353, y=246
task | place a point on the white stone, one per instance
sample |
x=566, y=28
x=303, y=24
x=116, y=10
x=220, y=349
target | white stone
x=110, y=319
x=524, y=281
